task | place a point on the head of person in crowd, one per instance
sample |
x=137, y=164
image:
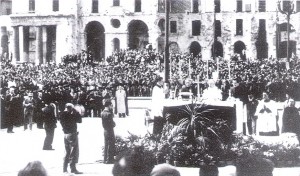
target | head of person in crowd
x=160, y=81
x=291, y=103
x=254, y=166
x=69, y=107
x=188, y=82
x=208, y=170
x=34, y=168
x=108, y=104
x=250, y=97
x=266, y=97
x=164, y=170
x=211, y=83
x=134, y=162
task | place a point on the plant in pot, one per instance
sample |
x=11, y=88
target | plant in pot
x=202, y=129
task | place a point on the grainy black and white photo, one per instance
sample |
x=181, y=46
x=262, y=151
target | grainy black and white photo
x=150, y=87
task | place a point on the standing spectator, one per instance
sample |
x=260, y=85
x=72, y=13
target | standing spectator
x=109, y=134
x=291, y=119
x=158, y=97
x=10, y=101
x=121, y=106
x=38, y=117
x=28, y=111
x=49, y=125
x=251, y=118
x=69, y=119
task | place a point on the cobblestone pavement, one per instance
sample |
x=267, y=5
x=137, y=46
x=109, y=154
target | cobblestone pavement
x=18, y=148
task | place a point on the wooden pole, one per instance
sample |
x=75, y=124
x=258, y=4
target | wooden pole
x=166, y=64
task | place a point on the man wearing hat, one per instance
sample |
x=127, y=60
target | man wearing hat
x=69, y=119
x=28, y=111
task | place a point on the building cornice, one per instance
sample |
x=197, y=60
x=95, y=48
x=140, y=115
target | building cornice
x=38, y=20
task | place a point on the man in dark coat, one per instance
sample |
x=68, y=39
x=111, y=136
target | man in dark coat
x=69, y=119
x=48, y=114
x=109, y=135
x=10, y=102
x=291, y=119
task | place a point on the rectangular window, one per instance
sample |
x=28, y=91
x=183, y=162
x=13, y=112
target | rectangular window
x=173, y=26
x=31, y=5
x=195, y=6
x=239, y=6
x=298, y=6
x=55, y=5
x=217, y=6
x=116, y=2
x=196, y=27
x=262, y=5
x=239, y=27
x=285, y=5
x=248, y=7
x=138, y=6
x=8, y=11
x=95, y=6
x=218, y=28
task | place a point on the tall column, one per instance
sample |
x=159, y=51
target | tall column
x=21, y=44
x=44, y=44
x=39, y=46
x=16, y=51
x=26, y=43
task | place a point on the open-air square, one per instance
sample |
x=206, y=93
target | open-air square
x=23, y=146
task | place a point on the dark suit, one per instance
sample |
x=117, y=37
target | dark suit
x=291, y=120
x=69, y=122
x=109, y=135
x=49, y=125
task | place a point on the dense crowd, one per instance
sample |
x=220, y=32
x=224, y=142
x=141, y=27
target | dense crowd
x=80, y=81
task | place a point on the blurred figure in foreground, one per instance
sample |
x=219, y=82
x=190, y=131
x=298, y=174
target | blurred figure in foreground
x=34, y=168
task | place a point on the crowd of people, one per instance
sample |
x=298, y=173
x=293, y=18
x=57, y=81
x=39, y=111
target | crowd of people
x=30, y=92
x=77, y=80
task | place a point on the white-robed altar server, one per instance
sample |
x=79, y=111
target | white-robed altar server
x=266, y=113
x=158, y=97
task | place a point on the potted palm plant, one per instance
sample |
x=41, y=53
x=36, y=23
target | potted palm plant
x=202, y=129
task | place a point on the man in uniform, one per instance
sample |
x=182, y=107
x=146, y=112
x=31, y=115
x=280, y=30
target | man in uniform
x=69, y=119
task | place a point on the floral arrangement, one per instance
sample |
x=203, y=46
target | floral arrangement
x=183, y=144
x=283, y=148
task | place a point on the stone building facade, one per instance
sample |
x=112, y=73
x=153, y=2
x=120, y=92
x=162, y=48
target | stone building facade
x=42, y=31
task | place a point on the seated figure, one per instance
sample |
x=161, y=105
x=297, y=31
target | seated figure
x=212, y=93
x=188, y=90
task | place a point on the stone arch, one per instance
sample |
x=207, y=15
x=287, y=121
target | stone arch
x=95, y=40
x=195, y=48
x=217, y=49
x=240, y=49
x=161, y=25
x=138, y=36
x=116, y=44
